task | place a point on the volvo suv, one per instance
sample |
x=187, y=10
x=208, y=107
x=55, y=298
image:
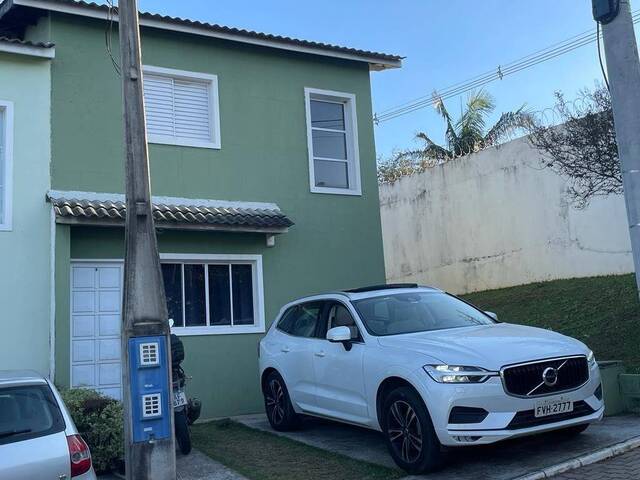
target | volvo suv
x=425, y=368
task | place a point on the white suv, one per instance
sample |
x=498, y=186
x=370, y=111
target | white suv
x=425, y=368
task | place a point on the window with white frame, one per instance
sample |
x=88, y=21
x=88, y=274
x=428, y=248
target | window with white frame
x=214, y=295
x=181, y=107
x=334, y=165
x=6, y=137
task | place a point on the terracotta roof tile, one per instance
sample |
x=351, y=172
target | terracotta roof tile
x=112, y=212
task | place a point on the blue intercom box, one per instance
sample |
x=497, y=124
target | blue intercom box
x=149, y=388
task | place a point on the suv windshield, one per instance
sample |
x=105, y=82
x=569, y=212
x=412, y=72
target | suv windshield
x=417, y=312
x=28, y=412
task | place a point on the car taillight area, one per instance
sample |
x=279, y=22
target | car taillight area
x=546, y=376
x=79, y=455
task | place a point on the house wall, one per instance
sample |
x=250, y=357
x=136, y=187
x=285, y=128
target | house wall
x=496, y=219
x=25, y=249
x=336, y=241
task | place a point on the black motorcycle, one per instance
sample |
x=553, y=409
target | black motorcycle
x=185, y=410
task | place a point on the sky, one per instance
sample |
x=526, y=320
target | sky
x=444, y=42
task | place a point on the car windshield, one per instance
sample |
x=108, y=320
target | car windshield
x=417, y=312
x=27, y=412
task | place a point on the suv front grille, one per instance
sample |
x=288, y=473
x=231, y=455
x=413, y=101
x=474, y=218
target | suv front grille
x=526, y=380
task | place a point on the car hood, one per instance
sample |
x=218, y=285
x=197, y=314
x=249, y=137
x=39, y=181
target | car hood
x=487, y=346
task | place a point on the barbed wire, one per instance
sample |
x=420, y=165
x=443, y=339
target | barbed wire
x=414, y=160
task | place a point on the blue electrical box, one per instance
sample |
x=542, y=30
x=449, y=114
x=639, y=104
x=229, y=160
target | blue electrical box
x=149, y=388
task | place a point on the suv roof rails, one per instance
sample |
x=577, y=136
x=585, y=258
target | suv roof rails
x=388, y=286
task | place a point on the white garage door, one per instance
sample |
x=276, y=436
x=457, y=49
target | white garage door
x=96, y=297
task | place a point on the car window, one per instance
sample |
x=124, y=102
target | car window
x=339, y=316
x=417, y=312
x=28, y=412
x=302, y=320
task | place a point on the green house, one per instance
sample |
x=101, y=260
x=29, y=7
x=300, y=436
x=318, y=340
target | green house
x=263, y=178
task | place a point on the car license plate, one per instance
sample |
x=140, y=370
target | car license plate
x=553, y=406
x=179, y=399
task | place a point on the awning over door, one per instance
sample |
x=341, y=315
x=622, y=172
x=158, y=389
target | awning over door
x=99, y=209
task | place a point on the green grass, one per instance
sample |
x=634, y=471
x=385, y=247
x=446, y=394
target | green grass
x=265, y=456
x=603, y=312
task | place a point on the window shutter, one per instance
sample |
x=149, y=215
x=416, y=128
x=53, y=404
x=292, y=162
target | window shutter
x=177, y=108
x=158, y=98
x=191, y=104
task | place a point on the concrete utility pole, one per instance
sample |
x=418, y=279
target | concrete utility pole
x=144, y=305
x=623, y=67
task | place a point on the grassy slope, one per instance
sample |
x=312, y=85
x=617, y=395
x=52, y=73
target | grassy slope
x=603, y=312
x=261, y=455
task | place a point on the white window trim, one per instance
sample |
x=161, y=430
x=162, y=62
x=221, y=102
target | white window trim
x=214, y=108
x=351, y=125
x=7, y=162
x=258, y=292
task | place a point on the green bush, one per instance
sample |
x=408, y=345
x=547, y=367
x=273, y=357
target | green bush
x=100, y=421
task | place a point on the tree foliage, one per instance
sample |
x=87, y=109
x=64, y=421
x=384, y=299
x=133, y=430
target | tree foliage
x=583, y=147
x=467, y=134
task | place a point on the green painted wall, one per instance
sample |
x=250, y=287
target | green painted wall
x=336, y=241
x=25, y=250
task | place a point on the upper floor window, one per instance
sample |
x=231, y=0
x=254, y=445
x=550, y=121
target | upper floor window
x=181, y=107
x=214, y=294
x=6, y=162
x=332, y=135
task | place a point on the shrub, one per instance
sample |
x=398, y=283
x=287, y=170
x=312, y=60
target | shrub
x=100, y=421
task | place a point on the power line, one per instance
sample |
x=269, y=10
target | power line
x=528, y=61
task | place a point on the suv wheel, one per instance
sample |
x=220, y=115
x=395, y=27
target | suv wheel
x=409, y=432
x=277, y=404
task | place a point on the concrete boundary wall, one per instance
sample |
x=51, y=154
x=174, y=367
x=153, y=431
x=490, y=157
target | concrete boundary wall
x=495, y=219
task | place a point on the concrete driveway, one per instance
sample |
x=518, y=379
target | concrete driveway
x=503, y=461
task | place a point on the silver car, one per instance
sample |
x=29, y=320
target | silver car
x=38, y=439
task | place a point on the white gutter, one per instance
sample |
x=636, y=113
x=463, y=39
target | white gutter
x=375, y=63
x=28, y=50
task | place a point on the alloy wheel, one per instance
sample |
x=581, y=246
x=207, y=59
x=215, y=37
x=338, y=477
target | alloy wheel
x=275, y=401
x=404, y=431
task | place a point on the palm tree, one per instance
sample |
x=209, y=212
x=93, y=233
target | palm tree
x=468, y=134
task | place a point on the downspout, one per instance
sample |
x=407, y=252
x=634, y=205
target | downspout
x=52, y=297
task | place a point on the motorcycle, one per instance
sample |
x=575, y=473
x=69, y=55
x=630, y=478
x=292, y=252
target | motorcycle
x=185, y=410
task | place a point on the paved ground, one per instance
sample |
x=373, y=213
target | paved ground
x=624, y=467
x=196, y=466
x=502, y=461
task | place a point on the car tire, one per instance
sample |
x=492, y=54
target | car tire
x=277, y=403
x=409, y=433
x=575, y=430
x=182, y=432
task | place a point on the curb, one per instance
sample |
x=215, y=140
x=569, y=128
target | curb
x=584, y=460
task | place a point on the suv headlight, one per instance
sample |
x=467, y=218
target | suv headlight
x=591, y=358
x=458, y=373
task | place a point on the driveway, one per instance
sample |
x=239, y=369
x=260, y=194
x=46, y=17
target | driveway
x=503, y=461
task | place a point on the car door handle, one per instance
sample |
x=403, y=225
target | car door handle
x=285, y=349
x=320, y=354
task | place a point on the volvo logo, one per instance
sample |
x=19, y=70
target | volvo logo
x=550, y=376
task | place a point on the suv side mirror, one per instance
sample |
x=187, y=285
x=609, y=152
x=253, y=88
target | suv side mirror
x=492, y=315
x=340, y=335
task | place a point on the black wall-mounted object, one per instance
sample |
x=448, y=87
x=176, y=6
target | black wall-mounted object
x=604, y=11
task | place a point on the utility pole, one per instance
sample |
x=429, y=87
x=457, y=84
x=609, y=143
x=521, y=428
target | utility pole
x=623, y=71
x=149, y=439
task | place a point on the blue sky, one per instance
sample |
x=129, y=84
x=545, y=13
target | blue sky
x=445, y=41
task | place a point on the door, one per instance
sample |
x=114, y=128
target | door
x=295, y=339
x=96, y=299
x=339, y=372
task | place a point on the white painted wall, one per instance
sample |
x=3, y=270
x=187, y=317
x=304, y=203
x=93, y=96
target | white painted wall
x=496, y=219
x=25, y=249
